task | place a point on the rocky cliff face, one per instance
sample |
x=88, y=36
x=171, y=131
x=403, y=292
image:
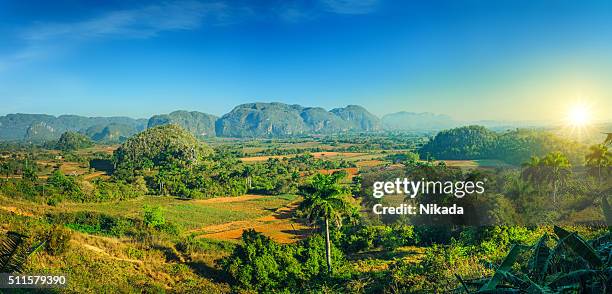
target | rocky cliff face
x=262, y=120
x=246, y=120
x=279, y=119
x=358, y=118
x=198, y=123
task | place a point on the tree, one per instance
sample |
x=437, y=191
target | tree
x=531, y=168
x=29, y=174
x=5, y=169
x=553, y=169
x=153, y=216
x=164, y=147
x=532, y=171
x=468, y=142
x=598, y=157
x=518, y=187
x=556, y=171
x=326, y=198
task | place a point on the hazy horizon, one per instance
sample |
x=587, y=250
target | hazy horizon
x=503, y=61
x=460, y=121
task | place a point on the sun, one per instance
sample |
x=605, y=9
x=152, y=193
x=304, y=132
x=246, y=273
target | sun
x=579, y=115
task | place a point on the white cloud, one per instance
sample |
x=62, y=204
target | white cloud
x=47, y=38
x=134, y=23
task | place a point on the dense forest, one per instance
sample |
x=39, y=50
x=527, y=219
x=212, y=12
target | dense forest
x=514, y=147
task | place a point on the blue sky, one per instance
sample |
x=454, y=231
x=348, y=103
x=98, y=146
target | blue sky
x=504, y=60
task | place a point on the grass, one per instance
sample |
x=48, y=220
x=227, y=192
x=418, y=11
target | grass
x=97, y=264
x=278, y=225
x=189, y=214
x=268, y=213
x=104, y=265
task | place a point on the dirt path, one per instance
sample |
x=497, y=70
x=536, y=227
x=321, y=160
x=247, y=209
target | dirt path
x=94, y=175
x=102, y=251
x=16, y=210
x=229, y=199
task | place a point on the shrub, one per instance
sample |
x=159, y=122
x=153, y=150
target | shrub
x=57, y=240
x=96, y=223
x=262, y=265
x=134, y=253
x=54, y=200
x=191, y=244
x=153, y=216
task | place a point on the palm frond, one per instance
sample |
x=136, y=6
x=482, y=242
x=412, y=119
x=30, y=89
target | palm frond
x=14, y=253
x=505, y=266
x=574, y=277
x=537, y=263
x=580, y=247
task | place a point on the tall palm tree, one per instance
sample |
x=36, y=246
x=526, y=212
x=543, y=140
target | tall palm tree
x=556, y=171
x=325, y=198
x=518, y=187
x=532, y=171
x=598, y=157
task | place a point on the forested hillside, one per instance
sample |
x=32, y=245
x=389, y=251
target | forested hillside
x=514, y=147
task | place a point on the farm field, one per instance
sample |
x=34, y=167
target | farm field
x=484, y=163
x=331, y=155
x=192, y=215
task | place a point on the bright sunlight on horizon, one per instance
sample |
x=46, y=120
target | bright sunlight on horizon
x=580, y=115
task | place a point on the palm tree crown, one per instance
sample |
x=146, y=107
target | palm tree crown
x=553, y=169
x=325, y=197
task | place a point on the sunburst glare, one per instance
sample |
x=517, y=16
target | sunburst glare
x=578, y=118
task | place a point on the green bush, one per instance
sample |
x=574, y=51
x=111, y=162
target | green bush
x=260, y=264
x=57, y=240
x=153, y=216
x=97, y=223
x=134, y=253
x=363, y=237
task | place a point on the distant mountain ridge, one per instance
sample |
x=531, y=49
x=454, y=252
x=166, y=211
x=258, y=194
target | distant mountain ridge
x=42, y=127
x=246, y=120
x=279, y=119
x=198, y=123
